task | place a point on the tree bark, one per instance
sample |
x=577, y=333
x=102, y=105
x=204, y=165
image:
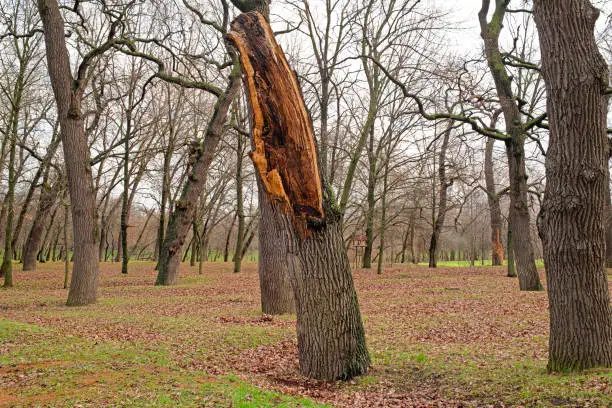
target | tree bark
x=519, y=218
x=331, y=339
x=573, y=218
x=68, y=95
x=274, y=262
x=608, y=218
x=369, y=231
x=182, y=216
x=511, y=264
x=228, y=238
x=497, y=250
x=47, y=198
x=444, y=185
x=239, y=207
x=43, y=171
x=383, y=216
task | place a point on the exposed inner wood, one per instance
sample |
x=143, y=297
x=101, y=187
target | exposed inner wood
x=284, y=152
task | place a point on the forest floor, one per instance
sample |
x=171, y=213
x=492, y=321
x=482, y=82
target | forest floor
x=453, y=337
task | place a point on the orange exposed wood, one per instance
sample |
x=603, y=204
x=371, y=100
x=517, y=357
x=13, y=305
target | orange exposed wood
x=498, y=248
x=284, y=152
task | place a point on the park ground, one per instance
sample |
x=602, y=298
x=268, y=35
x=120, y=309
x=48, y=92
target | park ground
x=453, y=337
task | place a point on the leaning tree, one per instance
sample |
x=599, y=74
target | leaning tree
x=331, y=338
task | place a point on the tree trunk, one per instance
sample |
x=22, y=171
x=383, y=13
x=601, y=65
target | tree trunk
x=413, y=254
x=369, y=231
x=331, y=339
x=43, y=171
x=497, y=250
x=7, y=261
x=383, y=217
x=510, y=246
x=195, y=246
x=519, y=218
x=608, y=218
x=9, y=239
x=239, y=208
x=573, y=217
x=274, y=260
x=182, y=216
x=228, y=238
x=405, y=244
x=444, y=185
x=40, y=255
x=68, y=95
x=47, y=198
x=66, y=252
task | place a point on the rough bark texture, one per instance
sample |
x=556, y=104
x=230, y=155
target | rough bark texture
x=274, y=260
x=608, y=228
x=519, y=218
x=331, y=339
x=515, y=147
x=572, y=223
x=182, y=216
x=68, y=96
x=497, y=250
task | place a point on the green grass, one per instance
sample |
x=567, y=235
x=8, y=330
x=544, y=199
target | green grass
x=467, y=264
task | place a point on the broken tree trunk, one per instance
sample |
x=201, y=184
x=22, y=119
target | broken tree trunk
x=331, y=338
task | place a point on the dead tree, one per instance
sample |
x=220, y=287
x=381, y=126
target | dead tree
x=331, y=338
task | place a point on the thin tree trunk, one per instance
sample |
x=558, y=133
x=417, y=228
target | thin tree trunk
x=369, y=231
x=228, y=238
x=186, y=252
x=195, y=245
x=54, y=256
x=142, y=231
x=66, y=254
x=125, y=207
x=413, y=254
x=497, y=250
x=7, y=261
x=510, y=246
x=572, y=223
x=405, y=245
x=239, y=208
x=247, y=243
x=444, y=185
x=48, y=231
x=383, y=218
